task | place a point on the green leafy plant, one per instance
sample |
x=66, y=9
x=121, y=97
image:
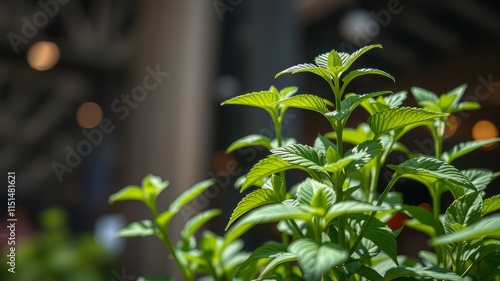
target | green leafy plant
x=334, y=223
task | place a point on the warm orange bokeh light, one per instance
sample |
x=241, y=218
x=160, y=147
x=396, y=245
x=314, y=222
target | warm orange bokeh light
x=43, y=55
x=89, y=115
x=483, y=130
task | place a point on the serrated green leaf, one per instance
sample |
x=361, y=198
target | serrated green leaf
x=267, y=251
x=349, y=207
x=251, y=201
x=307, y=67
x=308, y=102
x=365, y=71
x=421, y=95
x=491, y=204
x=464, y=148
x=138, y=229
x=394, y=118
x=480, y=178
x=334, y=60
x=131, y=192
x=197, y=221
x=266, y=167
x=262, y=99
x=357, y=54
x=369, y=149
x=265, y=214
x=250, y=140
x=302, y=155
x=315, y=259
x=350, y=103
x=307, y=189
x=463, y=212
x=487, y=227
x=429, y=170
x=188, y=195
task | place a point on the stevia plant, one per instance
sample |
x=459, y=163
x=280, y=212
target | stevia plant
x=334, y=222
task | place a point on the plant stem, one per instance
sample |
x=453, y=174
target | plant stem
x=166, y=240
x=372, y=216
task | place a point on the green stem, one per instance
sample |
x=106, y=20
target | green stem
x=166, y=240
x=372, y=216
x=458, y=264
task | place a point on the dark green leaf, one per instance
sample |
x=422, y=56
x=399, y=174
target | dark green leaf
x=369, y=149
x=349, y=207
x=463, y=212
x=480, y=178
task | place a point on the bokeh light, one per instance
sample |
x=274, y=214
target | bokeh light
x=89, y=115
x=43, y=55
x=483, y=130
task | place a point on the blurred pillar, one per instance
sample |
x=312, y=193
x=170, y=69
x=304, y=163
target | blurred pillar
x=168, y=133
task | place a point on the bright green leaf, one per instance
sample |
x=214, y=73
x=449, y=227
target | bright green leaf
x=197, y=221
x=251, y=201
x=357, y=54
x=139, y=228
x=396, y=99
x=266, y=167
x=365, y=71
x=354, y=136
x=491, y=204
x=308, y=102
x=423, y=221
x=302, y=155
x=487, y=227
x=263, y=99
x=188, y=195
x=250, y=140
x=315, y=259
x=277, y=259
x=131, y=192
x=480, y=178
x=307, y=189
x=307, y=67
x=369, y=149
x=429, y=170
x=394, y=118
x=464, y=148
x=265, y=214
x=349, y=207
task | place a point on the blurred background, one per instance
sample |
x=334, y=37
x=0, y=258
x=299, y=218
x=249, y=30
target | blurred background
x=94, y=95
